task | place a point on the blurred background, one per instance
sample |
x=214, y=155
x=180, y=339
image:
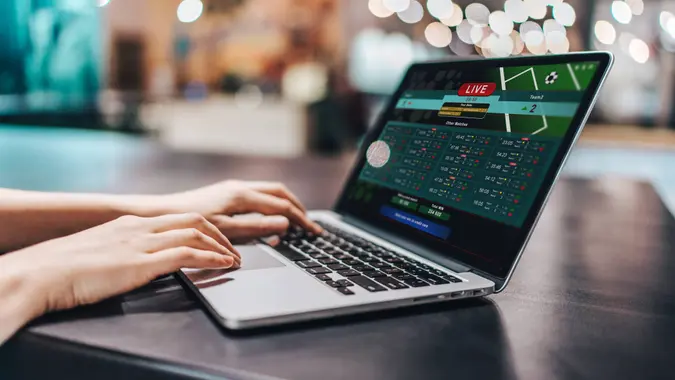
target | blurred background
x=287, y=78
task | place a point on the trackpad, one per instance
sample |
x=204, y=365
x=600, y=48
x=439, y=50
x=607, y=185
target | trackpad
x=252, y=257
x=255, y=257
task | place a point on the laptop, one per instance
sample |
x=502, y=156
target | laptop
x=440, y=203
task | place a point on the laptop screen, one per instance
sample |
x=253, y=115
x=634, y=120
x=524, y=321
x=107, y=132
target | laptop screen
x=462, y=156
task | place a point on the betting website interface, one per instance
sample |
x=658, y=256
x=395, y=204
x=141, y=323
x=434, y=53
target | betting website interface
x=470, y=148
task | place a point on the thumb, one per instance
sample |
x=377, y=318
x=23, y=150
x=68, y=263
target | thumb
x=251, y=227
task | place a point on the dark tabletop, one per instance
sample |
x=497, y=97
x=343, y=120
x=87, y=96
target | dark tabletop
x=593, y=297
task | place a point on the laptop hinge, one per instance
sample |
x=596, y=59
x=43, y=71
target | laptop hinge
x=407, y=245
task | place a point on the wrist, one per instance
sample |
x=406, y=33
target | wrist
x=20, y=298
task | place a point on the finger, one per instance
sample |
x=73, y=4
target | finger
x=253, y=201
x=190, y=220
x=278, y=190
x=172, y=260
x=251, y=228
x=190, y=237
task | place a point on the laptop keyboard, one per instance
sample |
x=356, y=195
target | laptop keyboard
x=342, y=260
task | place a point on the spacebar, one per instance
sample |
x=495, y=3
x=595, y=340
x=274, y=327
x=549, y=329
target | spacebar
x=367, y=284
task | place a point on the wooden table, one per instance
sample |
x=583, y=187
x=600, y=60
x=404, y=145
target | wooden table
x=593, y=297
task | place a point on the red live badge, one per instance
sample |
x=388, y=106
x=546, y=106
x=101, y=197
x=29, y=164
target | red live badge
x=477, y=89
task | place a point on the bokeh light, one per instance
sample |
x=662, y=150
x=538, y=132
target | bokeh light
x=102, y=3
x=636, y=6
x=378, y=9
x=670, y=27
x=477, y=14
x=456, y=18
x=518, y=44
x=536, y=43
x=438, y=35
x=664, y=17
x=621, y=12
x=305, y=82
x=557, y=42
x=527, y=27
x=189, y=10
x=498, y=45
x=479, y=34
x=464, y=31
x=396, y=5
x=605, y=32
x=500, y=23
x=516, y=10
x=639, y=50
x=413, y=14
x=441, y=9
x=536, y=9
x=534, y=38
x=551, y=26
x=564, y=14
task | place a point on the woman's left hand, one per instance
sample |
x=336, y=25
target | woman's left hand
x=219, y=203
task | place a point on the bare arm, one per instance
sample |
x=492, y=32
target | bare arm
x=29, y=217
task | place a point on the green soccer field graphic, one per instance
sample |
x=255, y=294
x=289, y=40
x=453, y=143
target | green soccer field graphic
x=560, y=77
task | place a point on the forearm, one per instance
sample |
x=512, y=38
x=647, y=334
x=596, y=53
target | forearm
x=19, y=300
x=28, y=218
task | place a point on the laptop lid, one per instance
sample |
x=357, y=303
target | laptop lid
x=463, y=158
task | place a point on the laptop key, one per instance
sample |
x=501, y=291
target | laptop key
x=342, y=256
x=338, y=267
x=290, y=253
x=344, y=290
x=319, y=270
x=452, y=279
x=333, y=284
x=393, y=260
x=405, y=266
x=433, y=280
x=323, y=277
x=403, y=276
x=348, y=273
x=356, y=252
x=362, y=267
x=390, y=283
x=352, y=262
x=391, y=270
x=328, y=261
x=415, y=283
x=345, y=283
x=367, y=284
x=379, y=264
x=373, y=273
x=307, y=264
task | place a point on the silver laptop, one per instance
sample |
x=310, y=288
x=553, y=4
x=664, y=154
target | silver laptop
x=441, y=201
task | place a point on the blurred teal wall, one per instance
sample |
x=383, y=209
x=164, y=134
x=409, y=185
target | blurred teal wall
x=51, y=53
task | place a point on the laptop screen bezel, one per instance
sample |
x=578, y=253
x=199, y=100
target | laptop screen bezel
x=604, y=60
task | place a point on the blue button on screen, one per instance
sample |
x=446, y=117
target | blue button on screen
x=416, y=222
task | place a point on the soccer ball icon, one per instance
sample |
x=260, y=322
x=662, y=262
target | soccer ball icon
x=551, y=78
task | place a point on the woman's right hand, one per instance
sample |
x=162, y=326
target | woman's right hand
x=114, y=258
